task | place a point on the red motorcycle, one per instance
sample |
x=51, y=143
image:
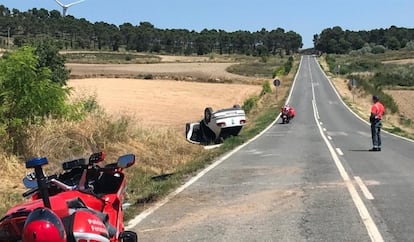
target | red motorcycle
x=287, y=113
x=81, y=204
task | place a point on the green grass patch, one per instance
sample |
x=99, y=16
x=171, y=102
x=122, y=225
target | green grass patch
x=258, y=68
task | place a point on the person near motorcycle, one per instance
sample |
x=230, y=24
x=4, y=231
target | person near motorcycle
x=290, y=111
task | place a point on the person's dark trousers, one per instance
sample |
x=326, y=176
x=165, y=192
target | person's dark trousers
x=376, y=134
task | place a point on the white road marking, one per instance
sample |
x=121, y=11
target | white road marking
x=329, y=137
x=324, y=129
x=364, y=188
x=314, y=105
x=369, y=223
x=320, y=123
x=339, y=151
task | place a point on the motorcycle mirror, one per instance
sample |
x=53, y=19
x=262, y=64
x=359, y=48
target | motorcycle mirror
x=29, y=183
x=126, y=161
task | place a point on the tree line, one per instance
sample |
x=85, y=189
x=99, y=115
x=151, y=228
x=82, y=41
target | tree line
x=337, y=41
x=73, y=33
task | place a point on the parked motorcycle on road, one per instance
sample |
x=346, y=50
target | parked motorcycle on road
x=83, y=203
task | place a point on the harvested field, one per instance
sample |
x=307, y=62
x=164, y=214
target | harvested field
x=215, y=72
x=404, y=100
x=162, y=102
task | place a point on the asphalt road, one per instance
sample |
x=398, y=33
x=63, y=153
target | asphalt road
x=298, y=182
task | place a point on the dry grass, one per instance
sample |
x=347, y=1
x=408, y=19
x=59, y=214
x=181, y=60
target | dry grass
x=11, y=173
x=116, y=136
x=157, y=151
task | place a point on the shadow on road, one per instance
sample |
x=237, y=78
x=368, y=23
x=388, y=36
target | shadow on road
x=360, y=150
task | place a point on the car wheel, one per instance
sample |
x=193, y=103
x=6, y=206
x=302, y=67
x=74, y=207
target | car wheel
x=208, y=112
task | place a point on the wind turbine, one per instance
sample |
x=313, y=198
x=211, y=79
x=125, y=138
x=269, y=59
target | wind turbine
x=66, y=6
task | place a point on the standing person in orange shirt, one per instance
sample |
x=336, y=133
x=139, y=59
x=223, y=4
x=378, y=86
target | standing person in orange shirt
x=377, y=110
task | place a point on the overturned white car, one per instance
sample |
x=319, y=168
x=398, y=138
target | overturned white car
x=216, y=126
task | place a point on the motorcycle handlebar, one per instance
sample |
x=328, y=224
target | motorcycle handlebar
x=53, y=179
x=62, y=185
x=30, y=192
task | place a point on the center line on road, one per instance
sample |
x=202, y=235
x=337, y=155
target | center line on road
x=366, y=218
x=364, y=188
x=339, y=151
x=329, y=137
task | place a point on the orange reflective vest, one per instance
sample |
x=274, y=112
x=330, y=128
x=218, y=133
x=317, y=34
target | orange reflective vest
x=378, y=110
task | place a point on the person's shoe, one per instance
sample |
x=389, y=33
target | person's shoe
x=375, y=149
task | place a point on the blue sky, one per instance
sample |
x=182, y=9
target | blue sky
x=306, y=17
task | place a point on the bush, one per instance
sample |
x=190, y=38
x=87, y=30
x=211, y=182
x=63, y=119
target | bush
x=280, y=71
x=148, y=77
x=395, y=76
x=410, y=45
x=405, y=121
x=79, y=109
x=28, y=94
x=288, y=65
x=266, y=88
x=378, y=49
x=250, y=103
x=284, y=69
x=49, y=57
x=331, y=61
